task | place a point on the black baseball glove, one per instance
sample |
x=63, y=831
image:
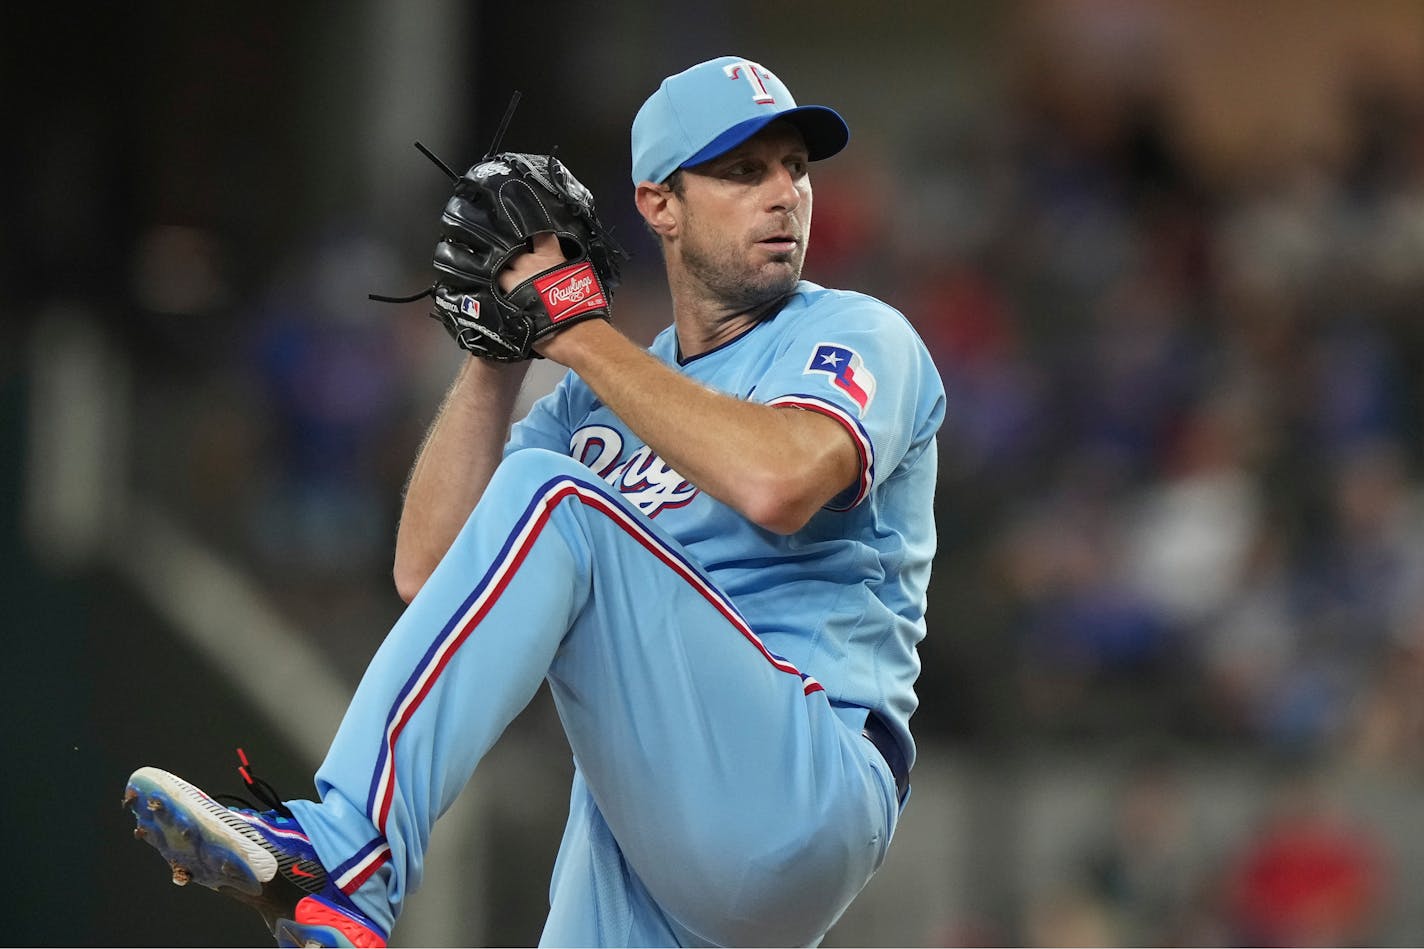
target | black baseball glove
x=497, y=207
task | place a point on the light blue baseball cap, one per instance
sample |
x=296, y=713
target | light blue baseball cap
x=714, y=106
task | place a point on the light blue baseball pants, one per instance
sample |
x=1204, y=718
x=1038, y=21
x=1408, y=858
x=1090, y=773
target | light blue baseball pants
x=719, y=797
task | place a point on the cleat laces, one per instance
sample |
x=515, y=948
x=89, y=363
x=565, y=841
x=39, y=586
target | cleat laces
x=258, y=788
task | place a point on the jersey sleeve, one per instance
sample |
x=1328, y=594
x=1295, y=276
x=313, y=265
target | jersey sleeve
x=862, y=365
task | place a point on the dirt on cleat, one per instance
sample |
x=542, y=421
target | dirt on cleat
x=181, y=875
x=129, y=795
x=154, y=804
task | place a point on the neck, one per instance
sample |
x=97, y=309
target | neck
x=698, y=333
x=704, y=322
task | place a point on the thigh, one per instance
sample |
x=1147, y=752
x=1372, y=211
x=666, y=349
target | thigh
x=595, y=897
x=747, y=807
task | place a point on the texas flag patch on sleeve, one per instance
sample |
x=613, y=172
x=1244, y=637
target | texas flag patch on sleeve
x=845, y=370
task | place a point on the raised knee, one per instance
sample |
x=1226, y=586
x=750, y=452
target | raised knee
x=530, y=470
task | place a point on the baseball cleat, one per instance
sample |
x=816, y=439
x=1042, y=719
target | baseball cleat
x=262, y=858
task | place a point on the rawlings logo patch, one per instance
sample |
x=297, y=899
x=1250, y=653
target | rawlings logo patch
x=570, y=291
x=846, y=371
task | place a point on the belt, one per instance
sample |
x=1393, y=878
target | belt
x=885, y=742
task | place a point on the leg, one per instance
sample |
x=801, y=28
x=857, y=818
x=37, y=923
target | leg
x=596, y=899
x=737, y=794
x=740, y=800
x=745, y=806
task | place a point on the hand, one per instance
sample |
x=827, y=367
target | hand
x=522, y=255
x=546, y=254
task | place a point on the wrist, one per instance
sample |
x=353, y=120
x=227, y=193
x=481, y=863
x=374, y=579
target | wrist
x=489, y=373
x=567, y=346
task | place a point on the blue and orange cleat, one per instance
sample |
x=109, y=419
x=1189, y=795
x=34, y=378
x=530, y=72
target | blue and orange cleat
x=259, y=857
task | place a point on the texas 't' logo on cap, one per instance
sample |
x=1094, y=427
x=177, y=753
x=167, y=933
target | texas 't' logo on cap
x=713, y=107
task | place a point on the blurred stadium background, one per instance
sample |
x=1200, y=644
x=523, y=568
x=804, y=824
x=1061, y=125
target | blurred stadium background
x=1169, y=257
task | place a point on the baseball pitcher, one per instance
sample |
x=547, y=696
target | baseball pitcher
x=714, y=550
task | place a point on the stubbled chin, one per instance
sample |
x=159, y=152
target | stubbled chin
x=781, y=276
x=789, y=264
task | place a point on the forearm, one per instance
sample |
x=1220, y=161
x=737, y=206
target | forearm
x=775, y=466
x=461, y=451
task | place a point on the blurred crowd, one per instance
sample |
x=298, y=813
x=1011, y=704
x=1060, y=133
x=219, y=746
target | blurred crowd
x=1180, y=503
x=1180, y=497
x=1181, y=479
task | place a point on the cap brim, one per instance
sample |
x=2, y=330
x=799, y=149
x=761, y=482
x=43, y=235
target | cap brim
x=823, y=129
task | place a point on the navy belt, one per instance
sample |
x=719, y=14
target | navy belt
x=885, y=742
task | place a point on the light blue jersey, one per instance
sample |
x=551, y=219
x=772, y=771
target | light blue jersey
x=843, y=598
x=716, y=681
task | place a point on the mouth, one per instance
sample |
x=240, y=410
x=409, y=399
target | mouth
x=779, y=243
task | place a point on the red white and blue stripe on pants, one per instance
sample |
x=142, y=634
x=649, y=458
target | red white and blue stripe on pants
x=354, y=872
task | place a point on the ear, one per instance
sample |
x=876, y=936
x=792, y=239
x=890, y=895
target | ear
x=657, y=204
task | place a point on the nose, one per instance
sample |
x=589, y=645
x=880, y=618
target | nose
x=782, y=193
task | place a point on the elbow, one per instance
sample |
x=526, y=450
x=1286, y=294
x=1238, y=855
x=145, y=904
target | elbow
x=409, y=578
x=781, y=490
x=782, y=522
x=779, y=508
